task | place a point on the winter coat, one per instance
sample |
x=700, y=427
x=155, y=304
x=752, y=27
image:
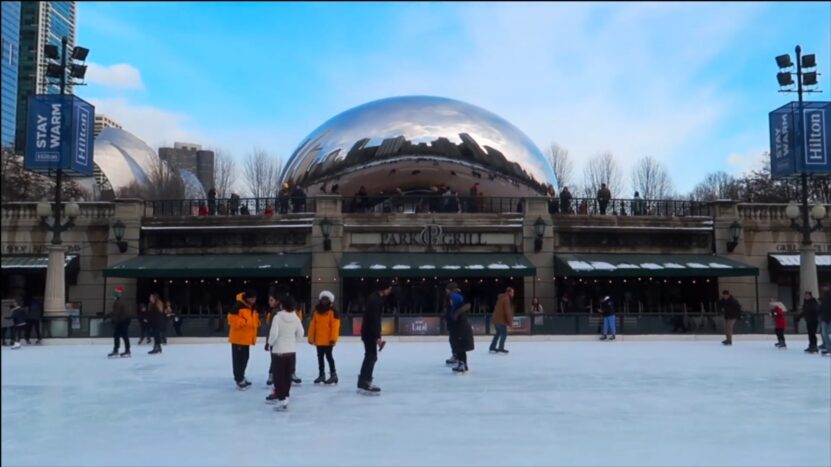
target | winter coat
x=565, y=202
x=286, y=329
x=825, y=308
x=607, y=309
x=324, y=328
x=155, y=315
x=503, y=312
x=810, y=310
x=371, y=323
x=730, y=308
x=604, y=194
x=36, y=310
x=120, y=312
x=19, y=316
x=778, y=312
x=461, y=334
x=243, y=322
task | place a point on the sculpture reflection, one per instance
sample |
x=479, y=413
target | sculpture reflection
x=414, y=143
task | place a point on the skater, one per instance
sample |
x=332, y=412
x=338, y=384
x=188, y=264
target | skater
x=732, y=310
x=33, y=318
x=243, y=322
x=778, y=310
x=462, y=331
x=273, y=309
x=19, y=320
x=8, y=324
x=825, y=320
x=503, y=316
x=810, y=313
x=286, y=329
x=155, y=318
x=120, y=318
x=324, y=331
x=609, y=323
x=143, y=317
x=371, y=336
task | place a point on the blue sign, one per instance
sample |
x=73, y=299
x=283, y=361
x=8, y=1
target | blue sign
x=60, y=135
x=800, y=144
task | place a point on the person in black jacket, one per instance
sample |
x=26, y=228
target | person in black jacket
x=33, y=319
x=155, y=317
x=371, y=336
x=732, y=310
x=120, y=317
x=810, y=313
x=825, y=318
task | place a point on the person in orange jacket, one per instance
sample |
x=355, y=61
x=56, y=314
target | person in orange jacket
x=243, y=322
x=323, y=333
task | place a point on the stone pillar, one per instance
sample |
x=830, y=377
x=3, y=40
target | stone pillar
x=54, y=298
x=540, y=285
x=807, y=272
x=325, y=274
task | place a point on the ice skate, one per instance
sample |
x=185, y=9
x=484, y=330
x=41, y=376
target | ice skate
x=113, y=354
x=726, y=342
x=16, y=346
x=502, y=351
x=333, y=379
x=321, y=378
x=246, y=382
x=38, y=342
x=461, y=368
x=156, y=350
x=271, y=398
x=811, y=350
x=270, y=380
x=282, y=405
x=603, y=337
x=612, y=338
x=826, y=353
x=125, y=354
x=295, y=380
x=368, y=389
x=489, y=351
x=241, y=385
x=451, y=361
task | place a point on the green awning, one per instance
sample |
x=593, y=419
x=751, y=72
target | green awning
x=187, y=266
x=435, y=265
x=34, y=263
x=669, y=265
x=790, y=262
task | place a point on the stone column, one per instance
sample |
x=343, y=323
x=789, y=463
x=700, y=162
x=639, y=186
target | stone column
x=54, y=298
x=542, y=284
x=325, y=274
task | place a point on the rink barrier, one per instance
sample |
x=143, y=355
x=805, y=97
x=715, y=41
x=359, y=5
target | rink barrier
x=201, y=326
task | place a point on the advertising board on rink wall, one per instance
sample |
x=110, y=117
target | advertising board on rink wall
x=60, y=135
x=800, y=144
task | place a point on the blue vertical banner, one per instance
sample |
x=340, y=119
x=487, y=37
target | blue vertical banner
x=816, y=130
x=59, y=135
x=782, y=136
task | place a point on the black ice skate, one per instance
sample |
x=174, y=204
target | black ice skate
x=726, y=342
x=270, y=380
x=825, y=353
x=811, y=350
x=126, y=354
x=612, y=338
x=113, y=354
x=461, y=368
x=271, y=398
x=451, y=361
x=246, y=382
x=241, y=385
x=321, y=378
x=295, y=379
x=333, y=378
x=502, y=351
x=368, y=389
x=156, y=350
x=603, y=337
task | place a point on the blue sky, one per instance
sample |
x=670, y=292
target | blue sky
x=689, y=84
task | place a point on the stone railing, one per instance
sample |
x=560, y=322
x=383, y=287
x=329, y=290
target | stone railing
x=27, y=211
x=766, y=211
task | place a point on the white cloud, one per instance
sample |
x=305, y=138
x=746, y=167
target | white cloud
x=153, y=125
x=741, y=164
x=120, y=76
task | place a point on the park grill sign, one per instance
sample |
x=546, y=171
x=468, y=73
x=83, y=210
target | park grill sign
x=432, y=236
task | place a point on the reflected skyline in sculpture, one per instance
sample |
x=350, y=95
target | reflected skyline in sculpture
x=415, y=142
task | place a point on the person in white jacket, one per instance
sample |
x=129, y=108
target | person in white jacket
x=286, y=329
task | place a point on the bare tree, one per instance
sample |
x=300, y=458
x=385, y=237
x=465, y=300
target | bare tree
x=651, y=179
x=261, y=173
x=562, y=165
x=717, y=185
x=225, y=169
x=163, y=183
x=602, y=168
x=19, y=184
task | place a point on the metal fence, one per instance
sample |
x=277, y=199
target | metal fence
x=227, y=207
x=629, y=207
x=416, y=204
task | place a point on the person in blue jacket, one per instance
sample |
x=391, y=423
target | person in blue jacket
x=609, y=325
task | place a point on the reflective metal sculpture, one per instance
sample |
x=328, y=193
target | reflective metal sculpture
x=123, y=158
x=414, y=143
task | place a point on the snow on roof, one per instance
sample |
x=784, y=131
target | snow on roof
x=401, y=266
x=720, y=266
x=498, y=266
x=352, y=265
x=377, y=266
x=474, y=266
x=603, y=265
x=673, y=266
x=427, y=266
x=451, y=266
x=793, y=260
x=651, y=266
x=698, y=265
x=580, y=266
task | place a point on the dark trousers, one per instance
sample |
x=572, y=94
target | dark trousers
x=239, y=358
x=451, y=336
x=18, y=332
x=780, y=335
x=812, y=333
x=177, y=326
x=325, y=351
x=32, y=323
x=146, y=331
x=370, y=357
x=499, y=337
x=603, y=205
x=157, y=336
x=283, y=365
x=120, y=332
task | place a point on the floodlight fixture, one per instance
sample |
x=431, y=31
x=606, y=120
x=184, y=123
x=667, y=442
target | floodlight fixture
x=80, y=53
x=51, y=51
x=784, y=61
x=784, y=79
x=77, y=71
x=809, y=61
x=54, y=71
x=810, y=78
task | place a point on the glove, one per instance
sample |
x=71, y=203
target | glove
x=331, y=342
x=267, y=347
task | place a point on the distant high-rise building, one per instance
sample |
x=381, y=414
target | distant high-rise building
x=41, y=23
x=102, y=121
x=191, y=157
x=11, y=59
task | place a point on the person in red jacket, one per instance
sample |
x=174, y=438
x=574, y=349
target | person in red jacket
x=777, y=310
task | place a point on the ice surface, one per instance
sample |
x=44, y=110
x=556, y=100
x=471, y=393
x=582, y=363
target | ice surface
x=547, y=403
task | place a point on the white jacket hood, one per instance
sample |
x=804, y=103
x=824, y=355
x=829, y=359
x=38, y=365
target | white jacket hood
x=286, y=329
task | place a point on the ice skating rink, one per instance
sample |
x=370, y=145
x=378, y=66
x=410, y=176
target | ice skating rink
x=547, y=403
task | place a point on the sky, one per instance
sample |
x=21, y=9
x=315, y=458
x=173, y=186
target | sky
x=690, y=84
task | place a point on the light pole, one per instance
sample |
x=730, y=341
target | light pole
x=54, y=303
x=807, y=256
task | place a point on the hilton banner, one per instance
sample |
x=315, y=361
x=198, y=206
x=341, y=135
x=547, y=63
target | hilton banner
x=800, y=144
x=60, y=135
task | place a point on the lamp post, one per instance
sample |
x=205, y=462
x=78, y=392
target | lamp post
x=807, y=258
x=118, y=232
x=326, y=230
x=539, y=232
x=54, y=303
x=735, y=233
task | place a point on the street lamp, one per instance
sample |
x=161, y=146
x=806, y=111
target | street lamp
x=807, y=257
x=539, y=231
x=326, y=230
x=735, y=230
x=118, y=232
x=54, y=303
